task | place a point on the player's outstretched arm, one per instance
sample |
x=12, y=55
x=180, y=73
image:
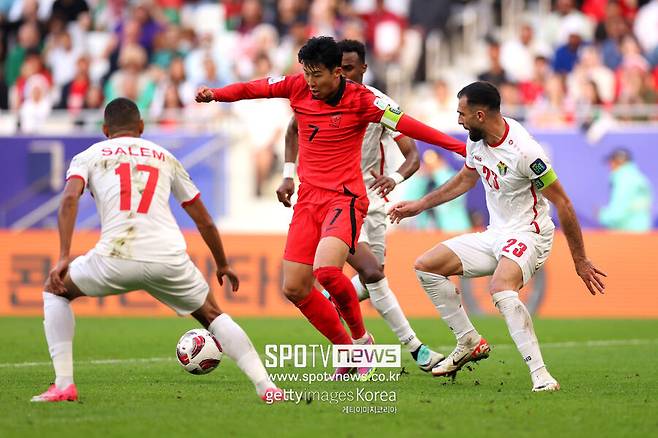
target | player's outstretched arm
x=420, y=131
x=258, y=89
x=287, y=187
x=589, y=273
x=385, y=184
x=456, y=186
x=66, y=216
x=204, y=223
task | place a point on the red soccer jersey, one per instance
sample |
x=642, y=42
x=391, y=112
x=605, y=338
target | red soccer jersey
x=330, y=132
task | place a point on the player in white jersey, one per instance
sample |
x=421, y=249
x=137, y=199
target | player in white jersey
x=518, y=180
x=141, y=247
x=368, y=259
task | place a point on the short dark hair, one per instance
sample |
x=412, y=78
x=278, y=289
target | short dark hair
x=349, y=46
x=320, y=51
x=481, y=93
x=121, y=113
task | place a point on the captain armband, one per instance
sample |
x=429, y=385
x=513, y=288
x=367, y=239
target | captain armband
x=391, y=117
x=545, y=180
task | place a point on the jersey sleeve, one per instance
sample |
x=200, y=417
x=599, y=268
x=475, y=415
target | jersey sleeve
x=182, y=187
x=468, y=162
x=79, y=168
x=275, y=86
x=534, y=164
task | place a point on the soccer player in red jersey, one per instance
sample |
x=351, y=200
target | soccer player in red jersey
x=332, y=114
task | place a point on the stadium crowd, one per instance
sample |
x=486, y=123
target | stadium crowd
x=573, y=66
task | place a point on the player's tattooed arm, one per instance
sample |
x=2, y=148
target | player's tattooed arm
x=590, y=274
x=385, y=184
x=456, y=186
x=66, y=216
x=287, y=187
x=206, y=226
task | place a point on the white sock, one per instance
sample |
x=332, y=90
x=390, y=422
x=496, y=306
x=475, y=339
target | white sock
x=520, y=327
x=236, y=344
x=59, y=325
x=384, y=300
x=361, y=291
x=447, y=301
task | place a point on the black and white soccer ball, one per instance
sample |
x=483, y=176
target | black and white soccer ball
x=199, y=352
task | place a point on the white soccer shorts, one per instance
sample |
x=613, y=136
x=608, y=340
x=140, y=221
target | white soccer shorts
x=480, y=252
x=180, y=286
x=373, y=231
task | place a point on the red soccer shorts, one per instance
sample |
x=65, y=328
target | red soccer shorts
x=322, y=213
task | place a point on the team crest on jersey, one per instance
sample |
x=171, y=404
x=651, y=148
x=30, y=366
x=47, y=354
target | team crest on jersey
x=334, y=122
x=502, y=168
x=538, y=166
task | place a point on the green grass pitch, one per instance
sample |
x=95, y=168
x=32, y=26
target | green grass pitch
x=608, y=370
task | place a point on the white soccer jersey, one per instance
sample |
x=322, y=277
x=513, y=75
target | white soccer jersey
x=130, y=180
x=512, y=171
x=374, y=145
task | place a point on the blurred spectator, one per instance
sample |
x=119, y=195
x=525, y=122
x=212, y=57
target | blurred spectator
x=32, y=66
x=615, y=30
x=634, y=82
x=629, y=208
x=28, y=39
x=196, y=67
x=384, y=31
x=511, y=102
x=496, y=73
x=440, y=111
x=553, y=108
x=427, y=19
x=566, y=55
x=646, y=31
x=288, y=14
x=290, y=45
x=131, y=80
x=451, y=217
x=271, y=116
x=534, y=88
x=589, y=68
x=166, y=47
x=36, y=107
x=183, y=91
x=62, y=57
x=557, y=27
x=69, y=10
x=74, y=92
x=517, y=56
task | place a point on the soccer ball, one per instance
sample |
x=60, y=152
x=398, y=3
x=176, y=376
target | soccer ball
x=198, y=351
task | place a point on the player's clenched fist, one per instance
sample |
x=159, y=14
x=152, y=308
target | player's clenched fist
x=405, y=209
x=204, y=94
x=285, y=191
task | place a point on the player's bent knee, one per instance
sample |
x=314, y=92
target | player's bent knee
x=369, y=276
x=496, y=286
x=295, y=293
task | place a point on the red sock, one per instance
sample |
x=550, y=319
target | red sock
x=342, y=291
x=321, y=313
